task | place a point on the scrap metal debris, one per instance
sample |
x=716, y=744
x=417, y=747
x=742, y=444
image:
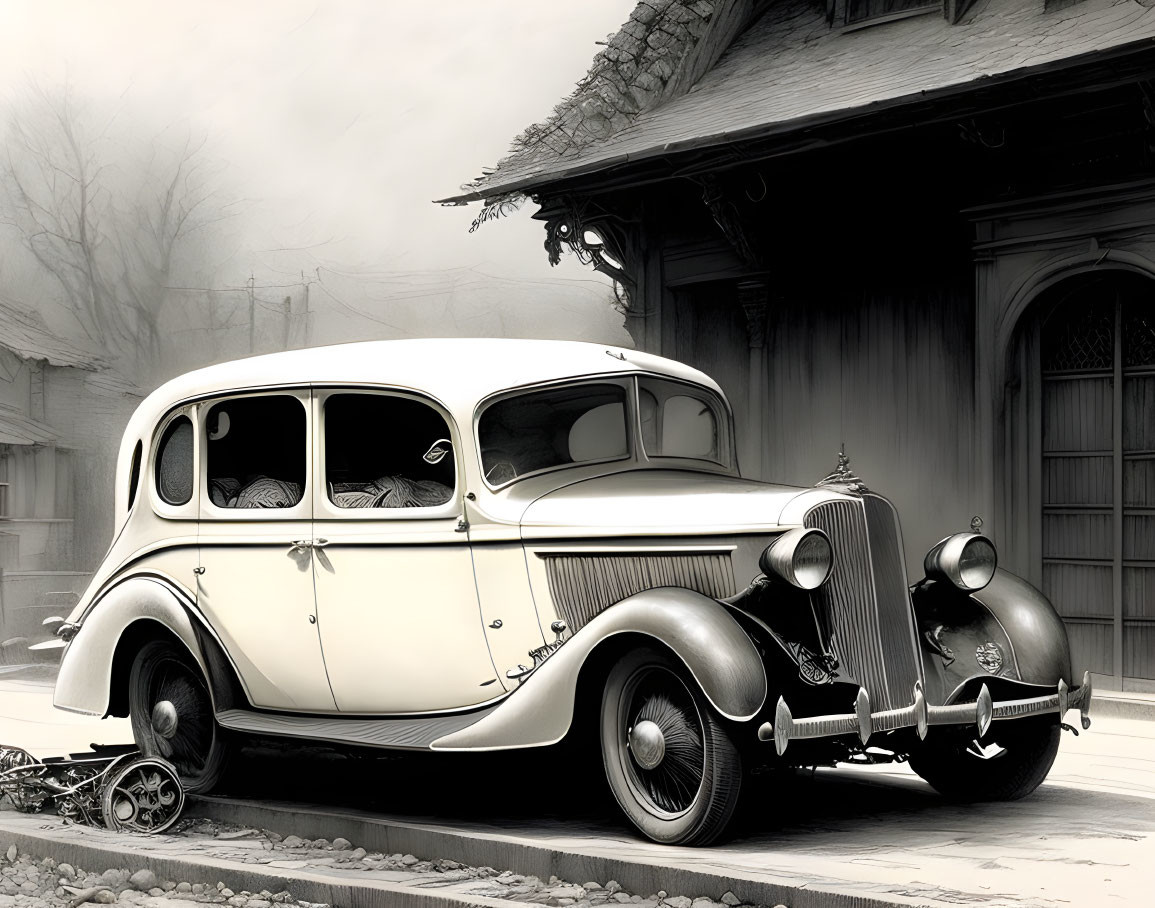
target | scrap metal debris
x=111, y=787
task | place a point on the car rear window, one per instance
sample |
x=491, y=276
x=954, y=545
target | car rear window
x=174, y=462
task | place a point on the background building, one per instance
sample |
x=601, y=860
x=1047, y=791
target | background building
x=924, y=229
x=61, y=416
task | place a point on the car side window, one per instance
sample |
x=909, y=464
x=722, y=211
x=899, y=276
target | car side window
x=383, y=451
x=256, y=452
x=677, y=421
x=174, y=462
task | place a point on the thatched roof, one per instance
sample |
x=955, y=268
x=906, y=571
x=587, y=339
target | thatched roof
x=25, y=334
x=790, y=70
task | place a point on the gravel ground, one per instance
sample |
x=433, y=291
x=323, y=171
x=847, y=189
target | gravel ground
x=27, y=881
x=24, y=881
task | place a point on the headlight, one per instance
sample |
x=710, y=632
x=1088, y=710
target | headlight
x=967, y=560
x=800, y=557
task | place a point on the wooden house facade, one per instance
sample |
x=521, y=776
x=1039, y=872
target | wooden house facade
x=925, y=230
x=62, y=412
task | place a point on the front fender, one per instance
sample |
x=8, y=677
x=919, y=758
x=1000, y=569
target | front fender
x=697, y=629
x=1009, y=612
x=84, y=682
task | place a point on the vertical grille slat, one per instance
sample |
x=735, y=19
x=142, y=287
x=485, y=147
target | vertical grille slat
x=899, y=644
x=584, y=585
x=867, y=599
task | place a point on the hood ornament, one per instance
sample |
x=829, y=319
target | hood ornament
x=843, y=475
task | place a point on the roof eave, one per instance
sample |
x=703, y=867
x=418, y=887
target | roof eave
x=784, y=128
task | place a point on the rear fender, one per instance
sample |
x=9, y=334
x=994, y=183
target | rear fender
x=1008, y=612
x=696, y=629
x=84, y=682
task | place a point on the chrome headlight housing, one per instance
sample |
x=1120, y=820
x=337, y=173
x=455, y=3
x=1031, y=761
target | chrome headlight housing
x=803, y=558
x=968, y=560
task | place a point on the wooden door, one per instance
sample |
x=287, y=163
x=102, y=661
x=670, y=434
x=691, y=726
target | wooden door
x=1097, y=357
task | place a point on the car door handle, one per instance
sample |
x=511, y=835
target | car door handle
x=300, y=545
x=320, y=542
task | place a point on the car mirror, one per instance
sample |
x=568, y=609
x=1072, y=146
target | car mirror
x=437, y=451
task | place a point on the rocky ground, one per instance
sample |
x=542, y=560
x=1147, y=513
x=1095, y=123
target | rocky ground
x=27, y=880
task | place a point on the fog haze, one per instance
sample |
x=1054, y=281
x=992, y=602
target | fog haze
x=334, y=125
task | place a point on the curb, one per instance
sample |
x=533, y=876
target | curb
x=506, y=852
x=116, y=852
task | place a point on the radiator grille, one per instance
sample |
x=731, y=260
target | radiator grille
x=867, y=600
x=584, y=585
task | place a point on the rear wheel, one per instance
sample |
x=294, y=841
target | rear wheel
x=956, y=768
x=669, y=760
x=172, y=714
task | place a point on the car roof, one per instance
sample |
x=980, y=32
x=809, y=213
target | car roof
x=456, y=371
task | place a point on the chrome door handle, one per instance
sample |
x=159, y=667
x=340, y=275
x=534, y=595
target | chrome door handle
x=320, y=542
x=300, y=545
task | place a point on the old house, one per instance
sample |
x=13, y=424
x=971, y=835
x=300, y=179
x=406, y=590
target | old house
x=61, y=415
x=924, y=229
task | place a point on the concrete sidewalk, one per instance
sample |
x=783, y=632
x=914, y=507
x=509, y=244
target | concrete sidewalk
x=872, y=834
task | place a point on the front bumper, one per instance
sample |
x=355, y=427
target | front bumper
x=920, y=715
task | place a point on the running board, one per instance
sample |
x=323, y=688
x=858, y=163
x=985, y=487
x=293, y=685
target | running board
x=407, y=734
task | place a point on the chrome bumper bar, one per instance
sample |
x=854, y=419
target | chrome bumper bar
x=920, y=715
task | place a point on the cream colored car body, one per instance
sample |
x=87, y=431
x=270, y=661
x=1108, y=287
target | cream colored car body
x=415, y=613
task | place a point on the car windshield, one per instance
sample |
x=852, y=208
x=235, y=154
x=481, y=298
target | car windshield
x=540, y=430
x=680, y=420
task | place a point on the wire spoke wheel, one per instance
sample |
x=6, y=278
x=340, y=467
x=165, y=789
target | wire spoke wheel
x=172, y=714
x=658, y=696
x=143, y=795
x=669, y=761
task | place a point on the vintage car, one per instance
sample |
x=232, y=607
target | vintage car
x=473, y=545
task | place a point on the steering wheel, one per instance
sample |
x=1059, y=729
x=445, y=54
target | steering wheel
x=500, y=471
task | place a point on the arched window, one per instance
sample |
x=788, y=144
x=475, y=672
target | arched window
x=174, y=462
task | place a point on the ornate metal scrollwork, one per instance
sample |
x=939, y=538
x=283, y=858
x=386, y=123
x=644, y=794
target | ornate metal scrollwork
x=540, y=654
x=568, y=222
x=815, y=669
x=730, y=221
x=123, y=792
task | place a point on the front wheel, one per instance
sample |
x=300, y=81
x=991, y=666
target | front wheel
x=171, y=713
x=669, y=761
x=1019, y=756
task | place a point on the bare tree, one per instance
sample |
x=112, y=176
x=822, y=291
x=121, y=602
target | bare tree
x=106, y=219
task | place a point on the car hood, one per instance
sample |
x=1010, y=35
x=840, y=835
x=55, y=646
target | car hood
x=658, y=503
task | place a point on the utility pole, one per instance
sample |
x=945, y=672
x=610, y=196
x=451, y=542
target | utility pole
x=287, y=316
x=252, y=309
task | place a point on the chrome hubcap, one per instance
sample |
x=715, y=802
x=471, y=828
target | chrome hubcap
x=164, y=719
x=647, y=744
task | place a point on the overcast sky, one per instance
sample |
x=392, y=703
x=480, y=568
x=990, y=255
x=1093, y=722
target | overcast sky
x=342, y=119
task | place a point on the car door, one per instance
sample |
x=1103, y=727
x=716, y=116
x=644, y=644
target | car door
x=255, y=584
x=397, y=606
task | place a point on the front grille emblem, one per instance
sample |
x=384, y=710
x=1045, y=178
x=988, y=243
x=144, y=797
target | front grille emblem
x=990, y=656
